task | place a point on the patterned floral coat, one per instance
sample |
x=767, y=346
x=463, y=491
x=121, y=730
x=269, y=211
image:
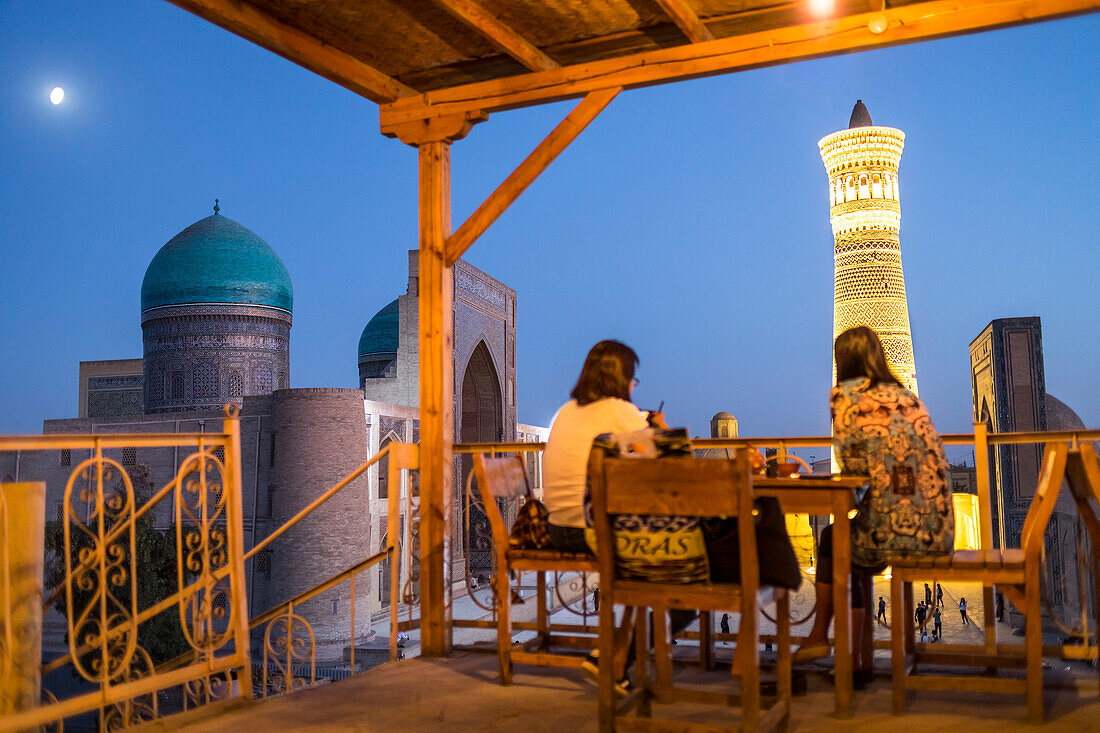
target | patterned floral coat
x=885, y=432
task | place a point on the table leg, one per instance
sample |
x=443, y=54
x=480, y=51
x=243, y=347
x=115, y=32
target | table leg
x=842, y=627
x=706, y=640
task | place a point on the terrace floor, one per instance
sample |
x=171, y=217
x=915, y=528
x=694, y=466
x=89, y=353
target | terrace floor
x=461, y=693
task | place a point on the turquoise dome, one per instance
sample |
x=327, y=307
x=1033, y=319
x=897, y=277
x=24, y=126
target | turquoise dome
x=380, y=335
x=217, y=260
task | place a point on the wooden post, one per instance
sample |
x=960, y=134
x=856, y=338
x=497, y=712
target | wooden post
x=985, y=528
x=436, y=399
x=231, y=426
x=22, y=519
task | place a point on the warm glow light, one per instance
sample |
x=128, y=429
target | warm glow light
x=821, y=7
x=57, y=96
x=811, y=570
x=877, y=24
x=967, y=532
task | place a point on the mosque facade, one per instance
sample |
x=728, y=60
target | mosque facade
x=1008, y=385
x=865, y=212
x=216, y=316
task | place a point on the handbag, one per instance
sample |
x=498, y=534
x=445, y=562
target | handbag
x=774, y=551
x=532, y=528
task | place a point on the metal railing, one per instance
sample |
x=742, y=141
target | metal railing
x=981, y=440
x=288, y=651
x=98, y=595
x=289, y=644
x=100, y=516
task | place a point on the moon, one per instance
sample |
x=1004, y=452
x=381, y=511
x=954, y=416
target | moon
x=57, y=96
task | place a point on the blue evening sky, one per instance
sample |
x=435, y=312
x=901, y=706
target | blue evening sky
x=690, y=220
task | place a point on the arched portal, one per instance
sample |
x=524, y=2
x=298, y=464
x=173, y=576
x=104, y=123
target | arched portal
x=482, y=421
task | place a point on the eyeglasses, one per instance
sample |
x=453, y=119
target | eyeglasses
x=635, y=382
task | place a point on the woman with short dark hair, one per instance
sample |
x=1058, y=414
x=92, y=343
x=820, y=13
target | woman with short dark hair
x=880, y=430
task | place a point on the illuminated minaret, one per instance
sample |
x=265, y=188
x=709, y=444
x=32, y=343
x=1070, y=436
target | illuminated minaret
x=869, y=288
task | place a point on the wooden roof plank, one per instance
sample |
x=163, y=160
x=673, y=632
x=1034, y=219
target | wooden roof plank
x=303, y=49
x=686, y=19
x=525, y=174
x=501, y=35
x=934, y=19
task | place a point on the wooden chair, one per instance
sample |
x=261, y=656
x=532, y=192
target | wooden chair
x=684, y=487
x=1015, y=572
x=506, y=478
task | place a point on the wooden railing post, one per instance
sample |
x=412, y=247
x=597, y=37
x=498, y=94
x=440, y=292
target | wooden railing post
x=985, y=529
x=985, y=489
x=235, y=518
x=22, y=519
x=436, y=395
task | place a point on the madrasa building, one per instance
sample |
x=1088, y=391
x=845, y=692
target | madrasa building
x=216, y=315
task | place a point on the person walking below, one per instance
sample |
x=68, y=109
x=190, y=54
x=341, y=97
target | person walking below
x=927, y=595
x=937, y=623
x=725, y=623
x=962, y=611
x=881, y=618
x=939, y=595
x=921, y=616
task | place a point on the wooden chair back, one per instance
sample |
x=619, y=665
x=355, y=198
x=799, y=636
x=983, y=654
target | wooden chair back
x=500, y=478
x=689, y=487
x=1046, y=496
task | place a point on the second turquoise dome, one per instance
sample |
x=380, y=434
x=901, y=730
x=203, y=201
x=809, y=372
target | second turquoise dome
x=380, y=336
x=217, y=260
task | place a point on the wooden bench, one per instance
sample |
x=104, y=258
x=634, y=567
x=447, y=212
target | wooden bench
x=1015, y=572
x=684, y=487
x=506, y=478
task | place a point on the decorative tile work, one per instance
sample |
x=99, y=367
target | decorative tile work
x=204, y=379
x=395, y=425
x=115, y=402
x=114, y=382
x=480, y=288
x=203, y=342
x=236, y=384
x=261, y=377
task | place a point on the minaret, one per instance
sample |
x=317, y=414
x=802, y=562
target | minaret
x=865, y=211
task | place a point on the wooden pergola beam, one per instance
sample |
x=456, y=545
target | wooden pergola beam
x=499, y=34
x=525, y=174
x=934, y=19
x=686, y=20
x=303, y=49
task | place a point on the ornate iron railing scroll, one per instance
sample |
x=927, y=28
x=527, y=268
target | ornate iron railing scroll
x=289, y=646
x=104, y=621
x=207, y=613
x=289, y=643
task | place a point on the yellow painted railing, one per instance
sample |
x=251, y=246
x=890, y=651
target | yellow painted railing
x=289, y=644
x=981, y=440
x=99, y=513
x=99, y=516
x=288, y=660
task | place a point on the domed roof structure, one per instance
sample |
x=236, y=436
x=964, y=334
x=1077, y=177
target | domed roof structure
x=723, y=416
x=1061, y=416
x=860, y=116
x=381, y=334
x=217, y=261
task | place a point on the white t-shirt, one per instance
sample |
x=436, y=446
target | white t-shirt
x=565, y=461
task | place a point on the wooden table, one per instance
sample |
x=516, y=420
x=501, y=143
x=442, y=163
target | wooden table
x=823, y=495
